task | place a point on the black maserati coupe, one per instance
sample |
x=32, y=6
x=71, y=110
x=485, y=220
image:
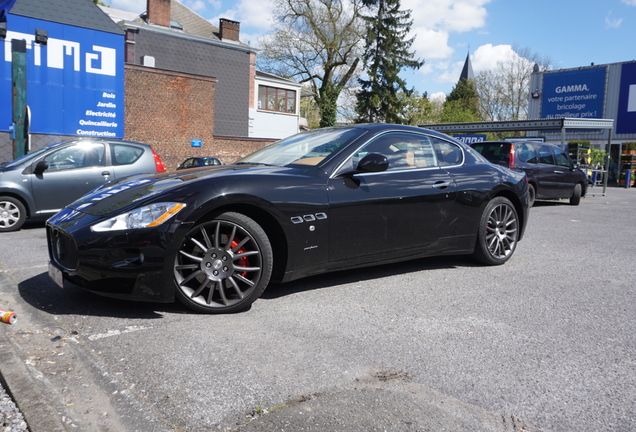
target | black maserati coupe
x=323, y=200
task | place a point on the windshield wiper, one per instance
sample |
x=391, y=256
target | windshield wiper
x=254, y=163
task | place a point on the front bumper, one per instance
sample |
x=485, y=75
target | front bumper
x=132, y=265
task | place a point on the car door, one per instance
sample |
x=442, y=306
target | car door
x=393, y=213
x=567, y=175
x=549, y=176
x=72, y=171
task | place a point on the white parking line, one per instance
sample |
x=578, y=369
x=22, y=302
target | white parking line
x=24, y=268
x=110, y=333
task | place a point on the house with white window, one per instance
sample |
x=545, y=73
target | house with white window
x=276, y=112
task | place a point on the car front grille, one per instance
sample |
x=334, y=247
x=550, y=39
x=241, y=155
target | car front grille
x=62, y=249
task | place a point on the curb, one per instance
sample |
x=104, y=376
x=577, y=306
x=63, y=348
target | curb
x=19, y=382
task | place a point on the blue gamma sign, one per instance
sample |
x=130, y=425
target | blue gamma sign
x=626, y=117
x=575, y=94
x=75, y=82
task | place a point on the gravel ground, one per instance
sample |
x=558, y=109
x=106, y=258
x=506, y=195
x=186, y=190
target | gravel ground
x=10, y=416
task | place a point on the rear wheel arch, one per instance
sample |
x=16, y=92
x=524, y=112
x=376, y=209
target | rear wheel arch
x=516, y=202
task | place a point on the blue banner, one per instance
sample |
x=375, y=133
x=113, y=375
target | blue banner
x=75, y=83
x=626, y=116
x=574, y=94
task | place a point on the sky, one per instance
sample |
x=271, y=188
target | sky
x=570, y=33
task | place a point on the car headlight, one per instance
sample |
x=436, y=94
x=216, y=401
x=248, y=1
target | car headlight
x=143, y=217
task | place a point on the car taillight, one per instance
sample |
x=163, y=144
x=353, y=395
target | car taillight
x=511, y=159
x=159, y=166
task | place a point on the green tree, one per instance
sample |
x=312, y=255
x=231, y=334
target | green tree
x=316, y=42
x=462, y=104
x=418, y=110
x=100, y=3
x=386, y=54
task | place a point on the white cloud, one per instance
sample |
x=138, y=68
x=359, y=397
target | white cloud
x=136, y=6
x=487, y=56
x=256, y=14
x=431, y=44
x=435, y=20
x=448, y=15
x=437, y=97
x=613, y=22
x=629, y=2
x=196, y=5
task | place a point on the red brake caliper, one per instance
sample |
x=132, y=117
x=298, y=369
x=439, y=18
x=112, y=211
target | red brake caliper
x=242, y=262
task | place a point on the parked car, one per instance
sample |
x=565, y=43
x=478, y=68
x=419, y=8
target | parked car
x=551, y=172
x=324, y=200
x=39, y=184
x=199, y=161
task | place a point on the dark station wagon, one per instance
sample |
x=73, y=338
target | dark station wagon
x=551, y=173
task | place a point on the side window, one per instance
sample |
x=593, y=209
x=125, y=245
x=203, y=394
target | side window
x=561, y=158
x=545, y=154
x=79, y=155
x=123, y=154
x=447, y=153
x=189, y=163
x=525, y=153
x=402, y=150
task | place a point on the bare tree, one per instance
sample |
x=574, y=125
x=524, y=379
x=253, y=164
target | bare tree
x=317, y=42
x=504, y=91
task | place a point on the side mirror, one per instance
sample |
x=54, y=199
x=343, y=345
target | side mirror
x=373, y=162
x=40, y=167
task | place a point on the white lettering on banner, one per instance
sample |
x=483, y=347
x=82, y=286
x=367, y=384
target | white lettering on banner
x=572, y=88
x=470, y=140
x=109, y=61
x=57, y=49
x=631, y=99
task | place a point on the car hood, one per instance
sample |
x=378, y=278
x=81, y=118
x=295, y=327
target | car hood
x=121, y=194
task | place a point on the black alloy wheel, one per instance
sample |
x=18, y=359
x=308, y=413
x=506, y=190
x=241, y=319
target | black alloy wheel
x=223, y=265
x=12, y=214
x=498, y=232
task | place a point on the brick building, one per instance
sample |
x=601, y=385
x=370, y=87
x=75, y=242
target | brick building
x=189, y=88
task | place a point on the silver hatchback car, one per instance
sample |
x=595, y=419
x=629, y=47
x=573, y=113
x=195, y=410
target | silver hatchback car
x=39, y=184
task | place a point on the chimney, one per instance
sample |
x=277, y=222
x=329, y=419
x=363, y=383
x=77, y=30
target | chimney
x=229, y=29
x=158, y=12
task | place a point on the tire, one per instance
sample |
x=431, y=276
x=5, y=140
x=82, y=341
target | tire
x=498, y=232
x=12, y=214
x=223, y=265
x=575, y=199
x=532, y=195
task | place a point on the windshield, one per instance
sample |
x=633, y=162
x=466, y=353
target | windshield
x=33, y=155
x=25, y=157
x=306, y=148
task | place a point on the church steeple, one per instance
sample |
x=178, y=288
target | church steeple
x=467, y=71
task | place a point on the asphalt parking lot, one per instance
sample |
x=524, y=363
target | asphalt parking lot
x=544, y=343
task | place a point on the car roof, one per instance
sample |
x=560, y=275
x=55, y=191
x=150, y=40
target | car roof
x=380, y=127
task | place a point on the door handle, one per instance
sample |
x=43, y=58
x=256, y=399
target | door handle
x=106, y=174
x=441, y=185
x=559, y=172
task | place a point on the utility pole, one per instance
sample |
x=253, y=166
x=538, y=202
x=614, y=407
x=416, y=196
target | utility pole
x=20, y=134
